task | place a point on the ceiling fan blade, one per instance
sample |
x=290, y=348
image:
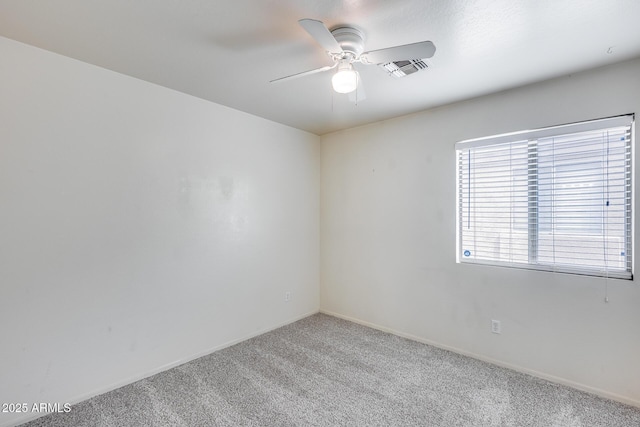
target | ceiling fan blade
x=418, y=50
x=321, y=34
x=304, y=73
x=359, y=94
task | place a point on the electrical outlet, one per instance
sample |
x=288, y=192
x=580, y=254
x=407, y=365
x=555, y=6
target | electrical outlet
x=495, y=327
x=287, y=296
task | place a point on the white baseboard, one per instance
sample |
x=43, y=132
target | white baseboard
x=152, y=372
x=537, y=374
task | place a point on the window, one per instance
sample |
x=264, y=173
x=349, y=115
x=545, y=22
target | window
x=556, y=199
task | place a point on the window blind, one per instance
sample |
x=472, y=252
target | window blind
x=555, y=199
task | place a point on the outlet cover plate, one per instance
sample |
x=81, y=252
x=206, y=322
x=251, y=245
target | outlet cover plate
x=495, y=327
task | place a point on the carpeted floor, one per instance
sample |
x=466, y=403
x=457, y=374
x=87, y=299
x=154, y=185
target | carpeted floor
x=323, y=371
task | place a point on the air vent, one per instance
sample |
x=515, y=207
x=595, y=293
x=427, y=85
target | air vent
x=404, y=68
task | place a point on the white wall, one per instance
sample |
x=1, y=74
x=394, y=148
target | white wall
x=388, y=255
x=139, y=227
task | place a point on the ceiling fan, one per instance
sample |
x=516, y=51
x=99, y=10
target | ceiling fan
x=345, y=46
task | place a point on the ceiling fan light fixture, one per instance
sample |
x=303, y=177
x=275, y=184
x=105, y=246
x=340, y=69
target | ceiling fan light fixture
x=345, y=46
x=345, y=80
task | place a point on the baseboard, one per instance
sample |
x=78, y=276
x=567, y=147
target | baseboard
x=537, y=374
x=162, y=368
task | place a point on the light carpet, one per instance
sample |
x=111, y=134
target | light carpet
x=324, y=371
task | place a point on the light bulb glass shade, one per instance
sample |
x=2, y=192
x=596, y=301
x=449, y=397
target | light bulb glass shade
x=345, y=81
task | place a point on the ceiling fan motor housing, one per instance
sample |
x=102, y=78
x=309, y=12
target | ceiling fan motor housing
x=350, y=39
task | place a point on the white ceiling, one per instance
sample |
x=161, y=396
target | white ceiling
x=228, y=51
